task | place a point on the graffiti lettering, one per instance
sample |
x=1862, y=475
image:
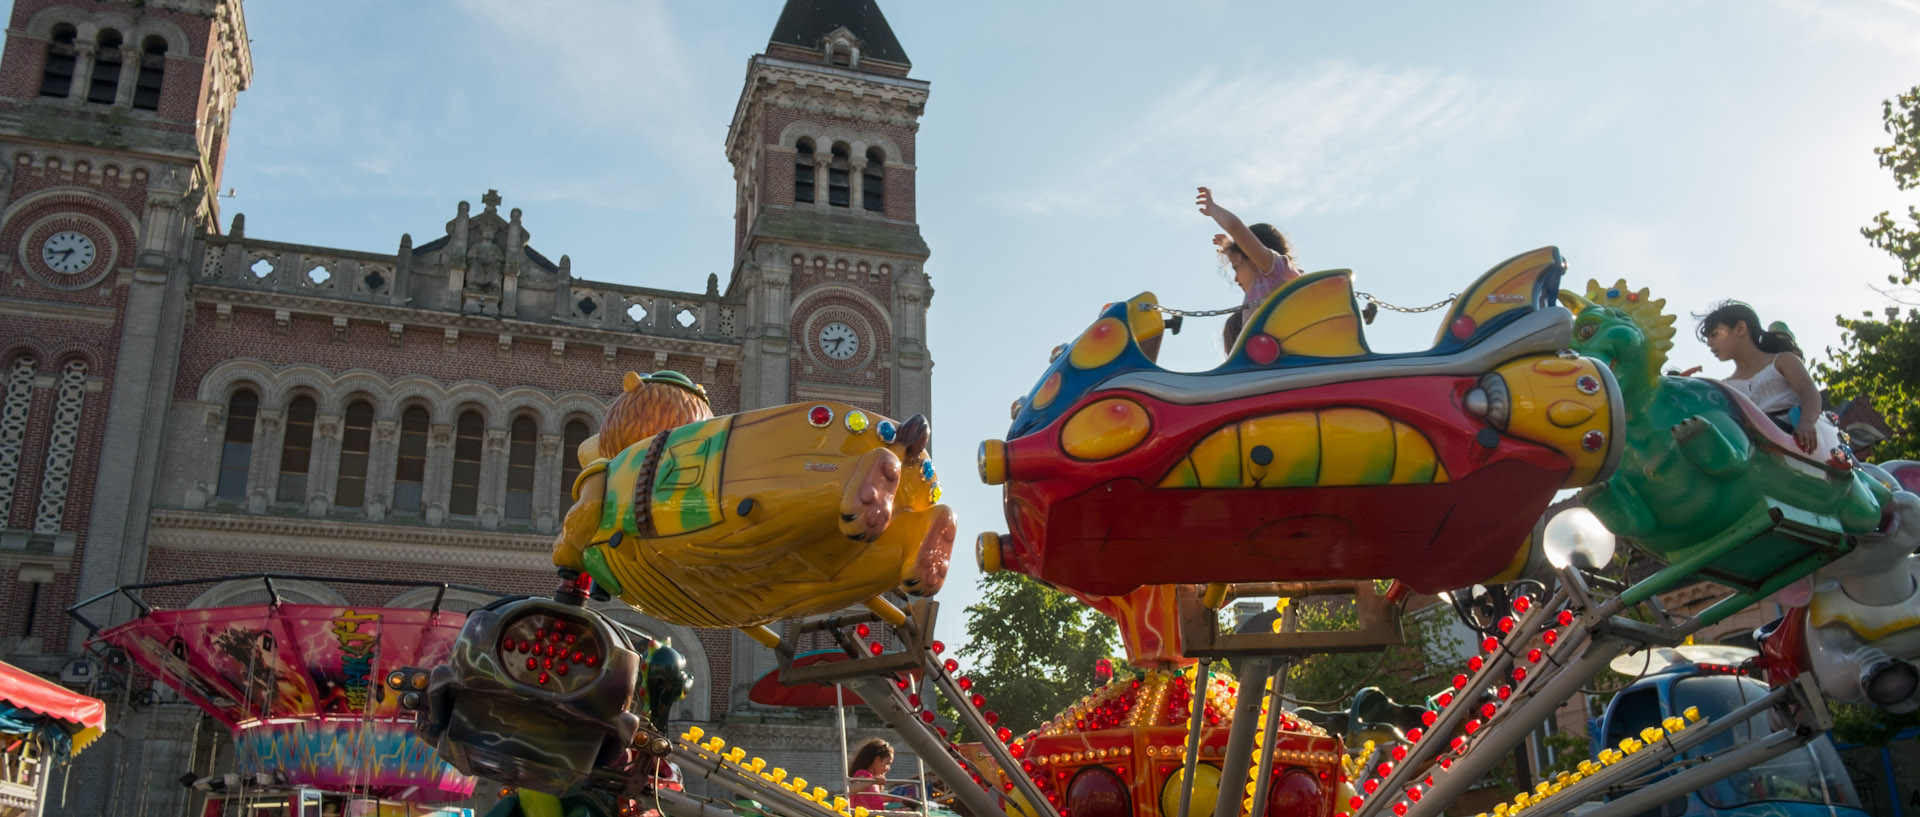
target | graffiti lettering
x=357, y=649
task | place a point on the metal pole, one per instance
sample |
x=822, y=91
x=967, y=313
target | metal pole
x=1268, y=736
x=1195, y=720
x=1246, y=718
x=1488, y=751
x=840, y=723
x=926, y=788
x=879, y=695
x=1743, y=756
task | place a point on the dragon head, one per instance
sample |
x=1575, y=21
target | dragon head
x=1623, y=327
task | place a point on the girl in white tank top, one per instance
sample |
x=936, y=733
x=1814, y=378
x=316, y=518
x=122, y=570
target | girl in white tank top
x=1766, y=367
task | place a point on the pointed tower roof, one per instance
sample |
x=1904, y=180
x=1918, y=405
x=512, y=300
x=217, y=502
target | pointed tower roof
x=805, y=23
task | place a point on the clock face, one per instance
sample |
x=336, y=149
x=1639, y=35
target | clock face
x=838, y=341
x=67, y=252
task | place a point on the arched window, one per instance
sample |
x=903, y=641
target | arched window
x=105, y=85
x=464, y=498
x=13, y=427
x=236, y=452
x=803, y=172
x=521, y=442
x=873, y=185
x=57, y=79
x=839, y=184
x=296, y=451
x=153, y=63
x=356, y=442
x=575, y=433
x=410, y=461
x=63, y=437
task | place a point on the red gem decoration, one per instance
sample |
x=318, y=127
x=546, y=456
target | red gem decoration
x=546, y=663
x=1593, y=440
x=1263, y=349
x=819, y=416
x=579, y=657
x=593, y=660
x=562, y=670
x=1463, y=327
x=507, y=644
x=533, y=663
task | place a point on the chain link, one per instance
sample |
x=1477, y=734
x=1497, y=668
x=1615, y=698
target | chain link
x=1365, y=296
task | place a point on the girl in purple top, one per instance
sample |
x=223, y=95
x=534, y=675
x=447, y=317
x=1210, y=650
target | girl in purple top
x=1261, y=258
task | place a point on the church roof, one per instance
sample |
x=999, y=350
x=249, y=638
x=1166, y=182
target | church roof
x=805, y=22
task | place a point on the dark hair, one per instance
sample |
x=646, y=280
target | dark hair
x=1268, y=235
x=1732, y=313
x=872, y=750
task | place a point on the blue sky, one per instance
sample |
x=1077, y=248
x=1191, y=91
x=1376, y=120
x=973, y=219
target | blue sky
x=1706, y=149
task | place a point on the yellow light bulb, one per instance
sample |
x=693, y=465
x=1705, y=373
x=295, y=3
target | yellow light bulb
x=860, y=811
x=1693, y=714
x=695, y=733
x=819, y=793
x=779, y=774
x=839, y=804
x=799, y=782
x=719, y=743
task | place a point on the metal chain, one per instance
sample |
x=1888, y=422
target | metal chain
x=1365, y=296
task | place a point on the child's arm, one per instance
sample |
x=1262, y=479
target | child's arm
x=1262, y=256
x=1795, y=371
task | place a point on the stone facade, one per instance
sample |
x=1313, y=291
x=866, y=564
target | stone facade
x=183, y=400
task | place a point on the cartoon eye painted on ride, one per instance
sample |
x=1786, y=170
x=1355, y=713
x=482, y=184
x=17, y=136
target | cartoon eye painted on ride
x=1105, y=429
x=1585, y=331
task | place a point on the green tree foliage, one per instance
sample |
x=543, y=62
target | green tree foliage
x=1879, y=357
x=1407, y=673
x=1032, y=649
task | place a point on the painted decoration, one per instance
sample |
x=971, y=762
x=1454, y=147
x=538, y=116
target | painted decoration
x=1305, y=455
x=300, y=685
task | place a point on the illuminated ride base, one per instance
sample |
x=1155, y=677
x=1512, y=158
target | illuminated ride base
x=300, y=685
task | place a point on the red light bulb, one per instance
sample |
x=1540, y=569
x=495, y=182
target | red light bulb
x=1398, y=752
x=937, y=647
x=966, y=683
x=1445, y=699
x=1565, y=618
x=950, y=665
x=533, y=663
x=1459, y=682
x=1428, y=717
x=1371, y=786
x=1400, y=809
x=1519, y=674
x=1384, y=769
x=543, y=678
x=1413, y=735
x=875, y=648
x=1489, y=644
x=1355, y=802
x=1522, y=604
x=1504, y=691
x=1473, y=726
x=1474, y=664
x=562, y=669
x=913, y=700
x=926, y=715
x=978, y=699
x=1505, y=624
x=1457, y=744
x=1487, y=709
x=992, y=717
x=1533, y=655
x=1549, y=637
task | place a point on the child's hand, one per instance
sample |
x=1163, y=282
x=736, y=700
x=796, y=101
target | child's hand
x=1804, y=434
x=1207, y=207
x=1219, y=241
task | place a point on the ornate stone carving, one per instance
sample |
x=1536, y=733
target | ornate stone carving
x=440, y=435
x=339, y=329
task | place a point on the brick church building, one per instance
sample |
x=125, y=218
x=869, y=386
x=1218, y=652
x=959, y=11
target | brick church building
x=181, y=399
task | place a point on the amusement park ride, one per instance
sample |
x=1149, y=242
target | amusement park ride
x=1306, y=465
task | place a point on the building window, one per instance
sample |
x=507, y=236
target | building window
x=61, y=440
x=13, y=429
x=803, y=172
x=410, y=463
x=873, y=185
x=839, y=185
x=296, y=451
x=153, y=63
x=57, y=79
x=521, y=443
x=356, y=442
x=464, y=498
x=575, y=433
x=105, y=85
x=236, y=452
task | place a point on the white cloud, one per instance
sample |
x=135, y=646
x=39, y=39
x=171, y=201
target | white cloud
x=1891, y=24
x=1331, y=137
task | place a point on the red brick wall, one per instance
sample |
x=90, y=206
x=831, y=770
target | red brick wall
x=776, y=178
x=181, y=92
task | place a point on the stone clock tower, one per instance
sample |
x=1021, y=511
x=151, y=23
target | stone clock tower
x=828, y=254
